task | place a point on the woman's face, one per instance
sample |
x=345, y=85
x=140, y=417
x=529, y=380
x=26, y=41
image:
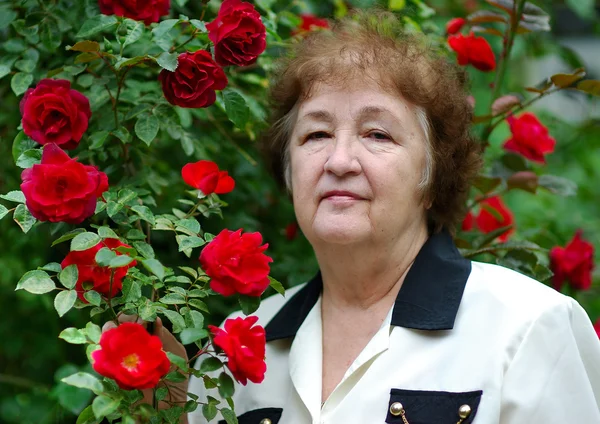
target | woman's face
x=357, y=158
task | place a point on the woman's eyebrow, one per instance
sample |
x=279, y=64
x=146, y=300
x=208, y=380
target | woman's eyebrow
x=318, y=115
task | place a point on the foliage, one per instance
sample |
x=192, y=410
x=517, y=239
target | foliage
x=141, y=142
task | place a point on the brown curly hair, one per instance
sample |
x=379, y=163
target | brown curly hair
x=373, y=44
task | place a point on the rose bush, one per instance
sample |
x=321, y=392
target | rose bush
x=162, y=113
x=573, y=263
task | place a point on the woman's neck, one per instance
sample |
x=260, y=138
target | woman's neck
x=366, y=275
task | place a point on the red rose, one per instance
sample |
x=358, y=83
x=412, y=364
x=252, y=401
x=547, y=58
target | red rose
x=473, y=50
x=311, y=22
x=244, y=345
x=194, y=82
x=235, y=262
x=140, y=10
x=493, y=214
x=455, y=25
x=238, y=34
x=529, y=137
x=98, y=277
x=54, y=113
x=573, y=263
x=291, y=231
x=60, y=189
x=131, y=356
x=205, y=176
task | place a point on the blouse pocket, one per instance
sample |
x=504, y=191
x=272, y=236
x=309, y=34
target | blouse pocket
x=430, y=407
x=259, y=416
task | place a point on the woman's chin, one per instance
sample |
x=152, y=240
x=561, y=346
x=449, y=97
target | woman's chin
x=340, y=233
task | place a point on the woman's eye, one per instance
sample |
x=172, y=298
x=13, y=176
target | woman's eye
x=379, y=135
x=317, y=135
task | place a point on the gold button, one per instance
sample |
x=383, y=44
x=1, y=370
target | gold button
x=396, y=409
x=265, y=421
x=464, y=411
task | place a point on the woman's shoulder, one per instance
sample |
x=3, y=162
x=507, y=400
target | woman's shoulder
x=509, y=293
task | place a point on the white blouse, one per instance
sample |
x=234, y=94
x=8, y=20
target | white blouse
x=465, y=342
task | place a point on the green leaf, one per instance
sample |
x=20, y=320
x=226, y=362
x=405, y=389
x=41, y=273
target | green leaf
x=178, y=361
x=146, y=128
x=176, y=319
x=189, y=242
x=29, y=158
x=119, y=261
x=132, y=290
x=144, y=212
x=3, y=211
x=104, y=256
x=189, y=224
x=107, y=232
x=558, y=185
x=144, y=249
x=193, y=319
x=93, y=297
x=20, y=82
x=210, y=364
x=103, y=406
x=249, y=304
x=73, y=335
x=52, y=267
x=135, y=29
x=155, y=267
x=84, y=241
x=21, y=143
x=23, y=218
x=162, y=392
x=198, y=25
x=583, y=8
x=590, y=87
x=93, y=331
x=135, y=234
x=209, y=411
x=236, y=108
x=167, y=61
x=87, y=416
x=16, y=196
x=191, y=335
x=277, y=286
x=25, y=65
x=164, y=27
x=50, y=35
x=198, y=304
x=226, y=387
x=229, y=415
x=4, y=71
x=189, y=271
x=64, y=301
x=85, y=46
x=173, y=299
x=96, y=24
x=97, y=139
x=83, y=380
x=396, y=4
x=175, y=377
x=68, y=276
x=36, y=282
x=68, y=236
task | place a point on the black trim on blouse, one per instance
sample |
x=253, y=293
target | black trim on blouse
x=428, y=299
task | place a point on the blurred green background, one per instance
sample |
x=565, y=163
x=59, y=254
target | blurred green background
x=32, y=358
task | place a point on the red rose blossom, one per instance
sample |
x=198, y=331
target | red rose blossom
x=244, y=344
x=238, y=34
x=488, y=221
x=60, y=189
x=473, y=50
x=291, y=231
x=140, y=10
x=205, y=176
x=54, y=113
x=529, y=137
x=97, y=277
x=574, y=263
x=235, y=262
x=194, y=82
x=131, y=356
x=454, y=25
x=310, y=23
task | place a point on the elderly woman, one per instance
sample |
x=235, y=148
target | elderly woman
x=371, y=135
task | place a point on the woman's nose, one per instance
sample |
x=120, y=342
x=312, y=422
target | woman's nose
x=342, y=155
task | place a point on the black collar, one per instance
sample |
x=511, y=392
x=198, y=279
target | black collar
x=428, y=299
